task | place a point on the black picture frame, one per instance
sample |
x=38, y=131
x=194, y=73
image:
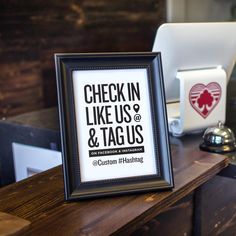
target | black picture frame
x=96, y=74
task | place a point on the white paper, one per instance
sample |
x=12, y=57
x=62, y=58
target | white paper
x=97, y=132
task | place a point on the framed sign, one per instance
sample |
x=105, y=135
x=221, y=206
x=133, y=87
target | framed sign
x=113, y=124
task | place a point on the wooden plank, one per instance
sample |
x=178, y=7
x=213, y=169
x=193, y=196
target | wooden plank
x=11, y=109
x=20, y=87
x=40, y=198
x=217, y=207
x=43, y=119
x=167, y=223
x=10, y=224
x=32, y=31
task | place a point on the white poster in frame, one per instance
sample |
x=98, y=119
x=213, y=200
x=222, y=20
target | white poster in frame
x=113, y=124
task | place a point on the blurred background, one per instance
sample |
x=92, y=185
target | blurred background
x=32, y=31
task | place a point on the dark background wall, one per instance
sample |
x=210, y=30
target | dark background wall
x=32, y=31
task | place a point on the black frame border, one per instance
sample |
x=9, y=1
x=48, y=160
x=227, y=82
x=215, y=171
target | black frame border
x=65, y=64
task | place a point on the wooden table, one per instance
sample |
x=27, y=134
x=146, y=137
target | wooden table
x=40, y=199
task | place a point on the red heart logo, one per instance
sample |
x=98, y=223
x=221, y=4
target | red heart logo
x=204, y=98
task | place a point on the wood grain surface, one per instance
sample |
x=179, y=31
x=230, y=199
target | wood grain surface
x=168, y=223
x=217, y=206
x=40, y=199
x=10, y=224
x=32, y=31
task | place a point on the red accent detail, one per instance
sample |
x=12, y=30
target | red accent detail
x=207, y=98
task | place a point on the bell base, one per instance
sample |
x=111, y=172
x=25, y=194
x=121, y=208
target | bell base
x=218, y=149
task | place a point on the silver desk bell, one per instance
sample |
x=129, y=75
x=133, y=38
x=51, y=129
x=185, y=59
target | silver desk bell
x=219, y=139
